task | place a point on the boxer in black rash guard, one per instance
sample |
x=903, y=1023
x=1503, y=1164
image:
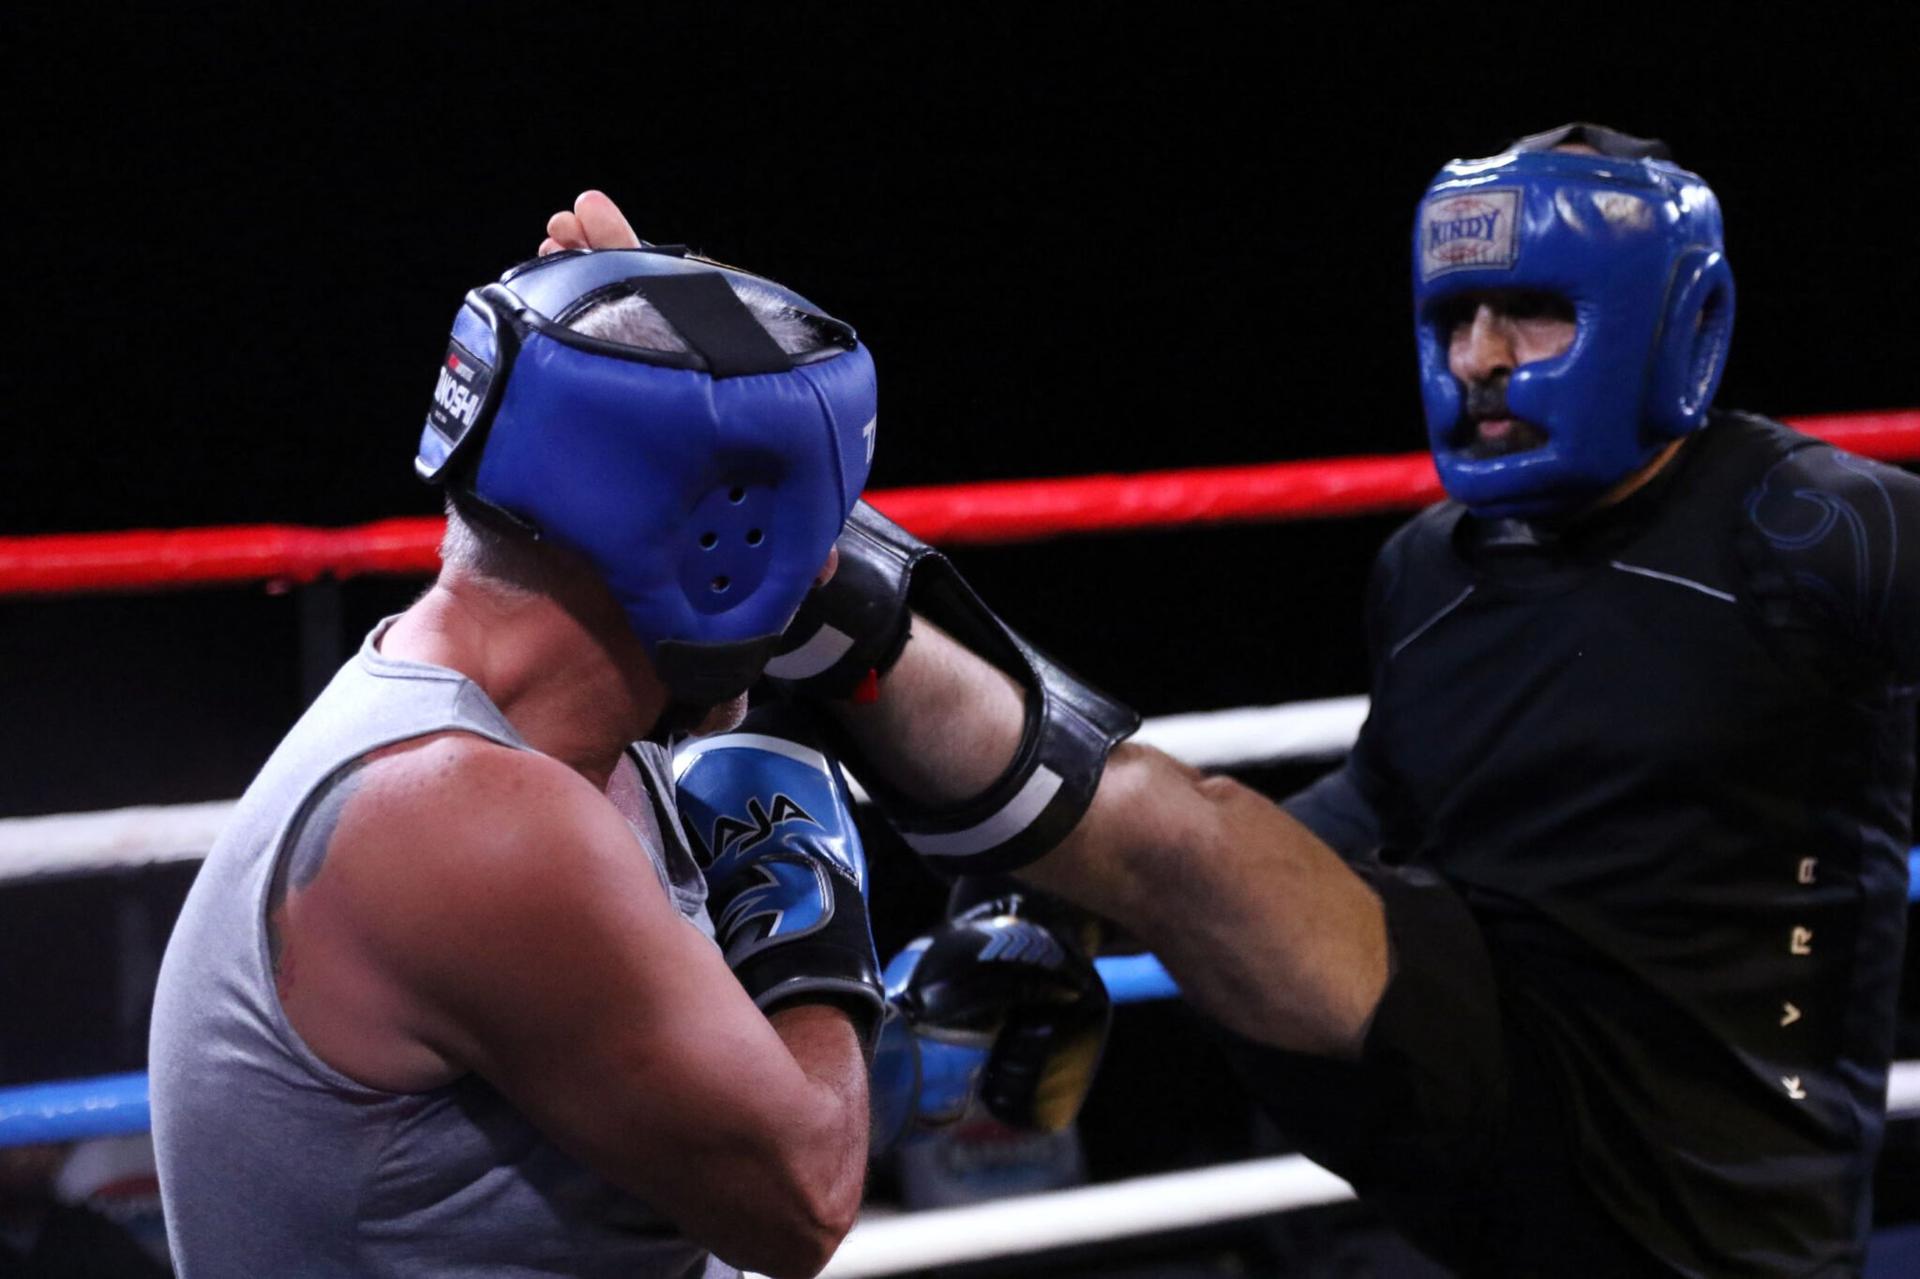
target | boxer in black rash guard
x=1606, y=983
x=1585, y=963
x=1640, y=756
x=1664, y=755
x=1645, y=753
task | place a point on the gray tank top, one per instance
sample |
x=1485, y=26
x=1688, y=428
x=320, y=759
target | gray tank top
x=274, y=1164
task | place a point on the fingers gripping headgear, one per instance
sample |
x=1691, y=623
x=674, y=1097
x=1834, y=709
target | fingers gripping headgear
x=706, y=487
x=1634, y=243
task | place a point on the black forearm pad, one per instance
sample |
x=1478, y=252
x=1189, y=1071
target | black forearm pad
x=856, y=623
x=1068, y=731
x=860, y=622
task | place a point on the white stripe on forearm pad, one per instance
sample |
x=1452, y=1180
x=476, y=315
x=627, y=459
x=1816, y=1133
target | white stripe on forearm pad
x=825, y=647
x=1016, y=816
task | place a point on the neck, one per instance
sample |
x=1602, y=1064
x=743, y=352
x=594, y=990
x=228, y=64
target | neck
x=563, y=668
x=1638, y=479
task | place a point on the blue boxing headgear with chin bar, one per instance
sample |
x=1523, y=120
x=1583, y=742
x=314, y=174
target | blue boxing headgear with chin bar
x=705, y=487
x=1633, y=243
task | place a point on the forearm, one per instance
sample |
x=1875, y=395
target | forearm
x=819, y=986
x=1262, y=924
x=824, y=1045
x=1265, y=928
x=946, y=723
x=828, y=1051
x=783, y=1177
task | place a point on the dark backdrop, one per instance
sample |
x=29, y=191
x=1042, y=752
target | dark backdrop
x=1076, y=237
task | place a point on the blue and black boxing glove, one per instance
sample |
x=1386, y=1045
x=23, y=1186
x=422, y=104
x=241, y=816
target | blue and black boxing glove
x=768, y=815
x=998, y=1004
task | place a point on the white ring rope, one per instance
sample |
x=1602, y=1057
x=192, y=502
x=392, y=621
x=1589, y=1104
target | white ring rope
x=78, y=843
x=913, y=1242
x=907, y=1243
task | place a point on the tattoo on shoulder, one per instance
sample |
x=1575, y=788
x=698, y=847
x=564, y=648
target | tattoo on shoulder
x=303, y=856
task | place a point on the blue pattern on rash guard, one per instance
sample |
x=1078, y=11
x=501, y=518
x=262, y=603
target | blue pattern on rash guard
x=1837, y=532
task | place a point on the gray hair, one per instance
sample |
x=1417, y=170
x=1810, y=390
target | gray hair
x=633, y=321
x=480, y=545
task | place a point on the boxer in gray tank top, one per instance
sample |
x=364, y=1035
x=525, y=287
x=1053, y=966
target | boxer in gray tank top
x=443, y=1000
x=277, y=1164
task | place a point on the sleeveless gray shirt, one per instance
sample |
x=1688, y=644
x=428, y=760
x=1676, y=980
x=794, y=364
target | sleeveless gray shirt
x=274, y=1164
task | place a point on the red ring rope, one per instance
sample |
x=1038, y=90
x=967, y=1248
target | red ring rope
x=955, y=515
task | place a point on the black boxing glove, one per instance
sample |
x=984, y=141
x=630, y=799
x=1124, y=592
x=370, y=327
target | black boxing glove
x=769, y=820
x=853, y=629
x=992, y=1004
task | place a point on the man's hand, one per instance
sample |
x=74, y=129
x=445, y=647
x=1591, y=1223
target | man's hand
x=594, y=222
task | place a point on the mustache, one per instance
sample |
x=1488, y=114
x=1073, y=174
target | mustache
x=1487, y=399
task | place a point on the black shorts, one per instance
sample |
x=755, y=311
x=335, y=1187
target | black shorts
x=1449, y=1124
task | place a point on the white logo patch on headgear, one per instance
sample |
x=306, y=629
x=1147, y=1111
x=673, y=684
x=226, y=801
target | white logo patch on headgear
x=1475, y=230
x=459, y=393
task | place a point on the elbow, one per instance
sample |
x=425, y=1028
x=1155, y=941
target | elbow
x=815, y=1202
x=804, y=1239
x=815, y=1249
x=826, y=1203
x=832, y=1217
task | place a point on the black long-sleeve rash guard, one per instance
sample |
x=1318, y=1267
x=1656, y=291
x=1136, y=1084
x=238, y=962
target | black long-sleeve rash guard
x=1667, y=755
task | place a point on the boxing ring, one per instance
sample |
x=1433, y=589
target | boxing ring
x=972, y=514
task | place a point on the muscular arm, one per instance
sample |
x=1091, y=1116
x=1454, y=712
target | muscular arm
x=1266, y=929
x=513, y=927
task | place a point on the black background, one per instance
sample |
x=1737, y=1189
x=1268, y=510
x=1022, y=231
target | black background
x=1078, y=238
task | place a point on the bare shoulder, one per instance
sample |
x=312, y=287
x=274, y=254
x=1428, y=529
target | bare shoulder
x=491, y=894
x=455, y=821
x=450, y=858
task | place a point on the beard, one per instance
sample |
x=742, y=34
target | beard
x=1487, y=428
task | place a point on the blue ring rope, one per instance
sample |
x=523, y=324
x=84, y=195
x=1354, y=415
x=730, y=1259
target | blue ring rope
x=114, y=1105
x=74, y=1109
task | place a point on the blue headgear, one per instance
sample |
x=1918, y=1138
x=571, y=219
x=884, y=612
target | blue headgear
x=1634, y=243
x=705, y=487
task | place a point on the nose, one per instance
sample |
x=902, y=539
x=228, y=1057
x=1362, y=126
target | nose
x=1482, y=346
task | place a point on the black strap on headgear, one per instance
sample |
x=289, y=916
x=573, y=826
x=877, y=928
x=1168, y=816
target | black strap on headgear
x=715, y=323
x=1608, y=142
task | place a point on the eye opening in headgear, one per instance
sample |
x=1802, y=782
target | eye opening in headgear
x=1450, y=312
